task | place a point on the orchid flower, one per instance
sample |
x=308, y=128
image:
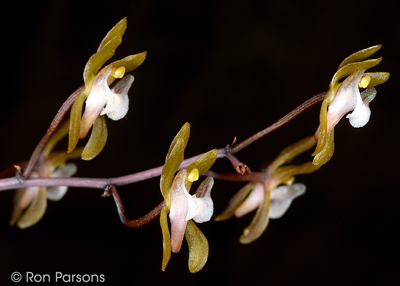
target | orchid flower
x=272, y=197
x=99, y=99
x=344, y=97
x=182, y=207
x=30, y=203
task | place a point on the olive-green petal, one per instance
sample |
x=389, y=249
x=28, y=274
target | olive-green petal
x=75, y=120
x=259, y=222
x=130, y=62
x=171, y=165
x=377, y=78
x=202, y=164
x=97, y=60
x=198, y=247
x=293, y=150
x=326, y=152
x=352, y=67
x=166, y=238
x=360, y=55
x=97, y=140
x=117, y=30
x=184, y=134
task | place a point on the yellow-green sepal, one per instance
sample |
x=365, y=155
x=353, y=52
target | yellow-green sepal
x=97, y=140
x=360, y=55
x=173, y=160
x=61, y=132
x=259, y=222
x=202, y=164
x=75, y=120
x=130, y=62
x=166, y=237
x=352, y=67
x=286, y=174
x=198, y=247
x=105, y=51
x=324, y=152
x=293, y=150
x=184, y=134
x=377, y=78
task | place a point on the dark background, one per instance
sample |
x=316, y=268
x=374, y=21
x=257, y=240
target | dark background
x=230, y=68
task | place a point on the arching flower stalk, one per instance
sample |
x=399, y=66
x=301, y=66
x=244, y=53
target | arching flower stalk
x=273, y=196
x=345, y=96
x=30, y=203
x=182, y=207
x=99, y=99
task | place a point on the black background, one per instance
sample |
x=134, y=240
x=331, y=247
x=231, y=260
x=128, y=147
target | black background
x=230, y=68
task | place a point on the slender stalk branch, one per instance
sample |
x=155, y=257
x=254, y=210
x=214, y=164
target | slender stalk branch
x=58, y=119
x=284, y=120
x=237, y=177
x=136, y=223
x=102, y=183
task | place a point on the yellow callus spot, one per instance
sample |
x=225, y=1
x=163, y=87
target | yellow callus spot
x=193, y=175
x=119, y=72
x=364, y=82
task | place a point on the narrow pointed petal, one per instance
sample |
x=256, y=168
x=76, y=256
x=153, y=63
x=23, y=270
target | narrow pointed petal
x=282, y=197
x=198, y=247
